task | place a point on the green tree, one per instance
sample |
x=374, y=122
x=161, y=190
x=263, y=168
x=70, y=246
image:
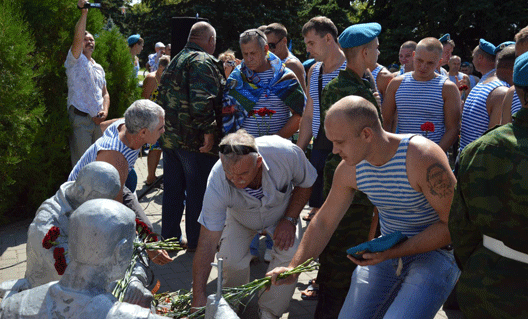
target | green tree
x=22, y=108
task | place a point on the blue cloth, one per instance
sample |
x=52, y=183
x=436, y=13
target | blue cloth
x=254, y=246
x=446, y=37
x=133, y=39
x=185, y=177
x=520, y=70
x=425, y=282
x=503, y=45
x=244, y=89
x=359, y=34
x=487, y=47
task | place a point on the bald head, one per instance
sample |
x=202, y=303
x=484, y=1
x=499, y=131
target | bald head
x=203, y=34
x=430, y=44
x=357, y=111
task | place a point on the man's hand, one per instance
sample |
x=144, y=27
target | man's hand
x=81, y=3
x=369, y=259
x=284, y=235
x=279, y=270
x=160, y=257
x=208, y=143
x=101, y=116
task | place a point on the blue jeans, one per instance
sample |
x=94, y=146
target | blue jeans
x=425, y=283
x=254, y=246
x=184, y=181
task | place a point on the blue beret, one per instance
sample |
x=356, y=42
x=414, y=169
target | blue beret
x=520, y=70
x=501, y=46
x=446, y=37
x=487, y=47
x=359, y=34
x=465, y=64
x=133, y=39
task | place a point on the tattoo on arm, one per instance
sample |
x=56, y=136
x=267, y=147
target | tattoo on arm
x=438, y=180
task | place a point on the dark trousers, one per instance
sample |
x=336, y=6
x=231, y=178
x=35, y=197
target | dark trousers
x=184, y=181
x=330, y=302
x=318, y=159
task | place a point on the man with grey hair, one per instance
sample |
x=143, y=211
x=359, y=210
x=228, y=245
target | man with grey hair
x=190, y=92
x=82, y=292
x=262, y=84
x=258, y=186
x=120, y=144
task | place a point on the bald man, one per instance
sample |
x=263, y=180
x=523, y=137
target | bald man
x=190, y=92
x=411, y=279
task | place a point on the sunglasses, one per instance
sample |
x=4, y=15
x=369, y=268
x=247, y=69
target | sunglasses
x=252, y=33
x=230, y=63
x=237, y=149
x=272, y=45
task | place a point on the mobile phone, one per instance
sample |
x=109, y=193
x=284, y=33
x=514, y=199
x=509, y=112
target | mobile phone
x=89, y=5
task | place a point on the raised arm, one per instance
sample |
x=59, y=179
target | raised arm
x=80, y=28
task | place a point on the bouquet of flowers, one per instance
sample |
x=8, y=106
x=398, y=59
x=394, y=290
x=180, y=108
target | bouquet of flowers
x=262, y=112
x=178, y=304
x=50, y=240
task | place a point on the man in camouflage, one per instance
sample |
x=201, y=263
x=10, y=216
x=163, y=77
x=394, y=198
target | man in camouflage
x=190, y=92
x=489, y=224
x=336, y=269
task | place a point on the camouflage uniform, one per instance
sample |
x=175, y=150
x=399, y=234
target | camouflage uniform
x=491, y=199
x=190, y=92
x=336, y=269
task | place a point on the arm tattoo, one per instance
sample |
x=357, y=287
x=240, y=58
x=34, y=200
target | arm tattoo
x=438, y=181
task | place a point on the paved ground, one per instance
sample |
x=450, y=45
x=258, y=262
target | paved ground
x=178, y=274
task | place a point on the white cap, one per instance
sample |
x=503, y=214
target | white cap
x=159, y=45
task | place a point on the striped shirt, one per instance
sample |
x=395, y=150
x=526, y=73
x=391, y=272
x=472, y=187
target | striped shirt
x=516, y=103
x=475, y=117
x=257, y=193
x=375, y=73
x=401, y=208
x=314, y=92
x=108, y=142
x=418, y=102
x=258, y=125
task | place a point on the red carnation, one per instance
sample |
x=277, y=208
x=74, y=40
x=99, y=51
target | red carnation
x=262, y=111
x=463, y=87
x=427, y=127
x=251, y=113
x=51, y=237
x=60, y=265
x=58, y=253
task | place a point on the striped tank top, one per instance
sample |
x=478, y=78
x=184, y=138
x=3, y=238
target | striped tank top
x=375, y=73
x=314, y=92
x=475, y=117
x=108, y=142
x=418, y=102
x=516, y=103
x=259, y=126
x=401, y=208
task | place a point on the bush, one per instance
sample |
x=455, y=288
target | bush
x=22, y=109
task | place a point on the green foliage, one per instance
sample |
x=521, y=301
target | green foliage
x=114, y=56
x=22, y=108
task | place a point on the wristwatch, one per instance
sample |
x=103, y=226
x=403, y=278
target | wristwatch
x=292, y=220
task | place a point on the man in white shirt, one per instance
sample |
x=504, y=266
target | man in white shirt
x=88, y=98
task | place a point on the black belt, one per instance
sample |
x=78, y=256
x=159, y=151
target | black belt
x=79, y=112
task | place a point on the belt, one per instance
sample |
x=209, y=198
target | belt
x=79, y=112
x=499, y=248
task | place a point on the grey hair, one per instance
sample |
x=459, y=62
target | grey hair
x=239, y=138
x=254, y=34
x=143, y=114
